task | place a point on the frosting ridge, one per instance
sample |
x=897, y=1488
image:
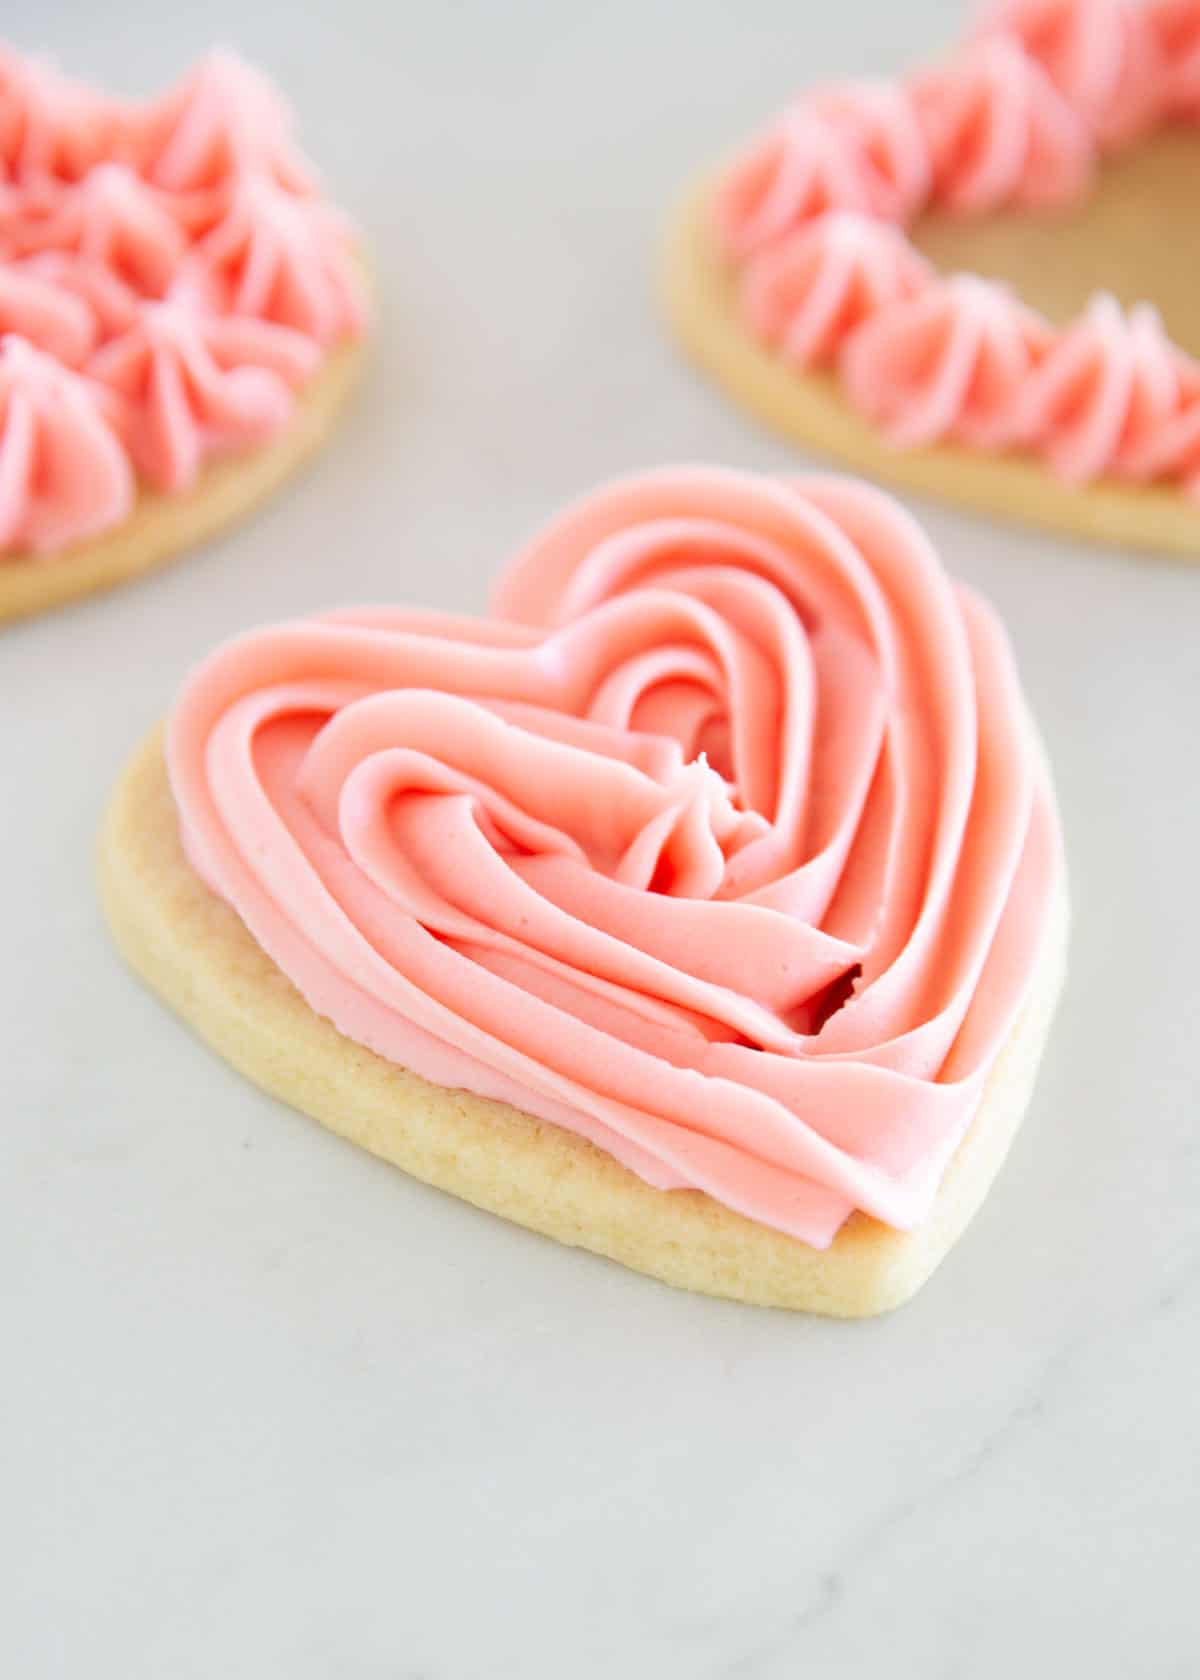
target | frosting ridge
x=999, y=132
x=808, y=292
x=953, y=362
x=175, y=252
x=189, y=387
x=63, y=473
x=34, y=308
x=1104, y=57
x=813, y=216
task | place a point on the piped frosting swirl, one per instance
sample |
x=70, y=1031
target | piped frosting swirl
x=724, y=843
x=812, y=218
x=178, y=256
x=63, y=473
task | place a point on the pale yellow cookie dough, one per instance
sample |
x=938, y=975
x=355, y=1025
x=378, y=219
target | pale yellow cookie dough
x=195, y=952
x=161, y=525
x=699, y=297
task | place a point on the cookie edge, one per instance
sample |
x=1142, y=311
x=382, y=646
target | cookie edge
x=193, y=951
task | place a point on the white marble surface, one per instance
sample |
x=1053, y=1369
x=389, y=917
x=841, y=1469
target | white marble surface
x=269, y=1409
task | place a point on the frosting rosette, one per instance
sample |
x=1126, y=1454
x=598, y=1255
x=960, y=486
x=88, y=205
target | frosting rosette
x=176, y=253
x=63, y=474
x=810, y=249
x=1105, y=56
x=724, y=842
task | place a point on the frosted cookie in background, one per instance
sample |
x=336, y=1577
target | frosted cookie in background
x=181, y=319
x=904, y=274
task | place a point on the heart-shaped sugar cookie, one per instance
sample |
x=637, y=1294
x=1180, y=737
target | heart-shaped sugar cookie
x=703, y=906
x=905, y=275
x=180, y=316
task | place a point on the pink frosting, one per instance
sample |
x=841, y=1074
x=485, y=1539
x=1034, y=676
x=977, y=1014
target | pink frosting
x=1103, y=394
x=50, y=127
x=178, y=254
x=1176, y=28
x=114, y=222
x=950, y=363
x=1104, y=56
x=724, y=843
x=63, y=474
x=999, y=133
x=34, y=308
x=222, y=121
x=813, y=217
x=280, y=258
x=192, y=386
x=807, y=292
x=854, y=147
x=111, y=303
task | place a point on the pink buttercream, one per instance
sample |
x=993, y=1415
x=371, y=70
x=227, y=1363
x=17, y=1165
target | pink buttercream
x=999, y=133
x=1104, y=57
x=881, y=131
x=1103, y=393
x=112, y=304
x=805, y=293
x=177, y=252
x=1016, y=117
x=281, y=258
x=854, y=147
x=724, y=844
x=63, y=474
x=115, y=223
x=950, y=363
x=1176, y=28
x=223, y=120
x=51, y=128
x=193, y=386
x=34, y=308
x=1173, y=449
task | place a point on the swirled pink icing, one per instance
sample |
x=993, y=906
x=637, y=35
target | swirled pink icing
x=952, y=362
x=808, y=292
x=1018, y=116
x=999, y=133
x=51, y=128
x=224, y=119
x=1104, y=56
x=1103, y=393
x=63, y=474
x=111, y=303
x=724, y=843
x=178, y=254
x=113, y=222
x=192, y=386
x=279, y=258
x=34, y=308
x=1176, y=28
x=852, y=147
